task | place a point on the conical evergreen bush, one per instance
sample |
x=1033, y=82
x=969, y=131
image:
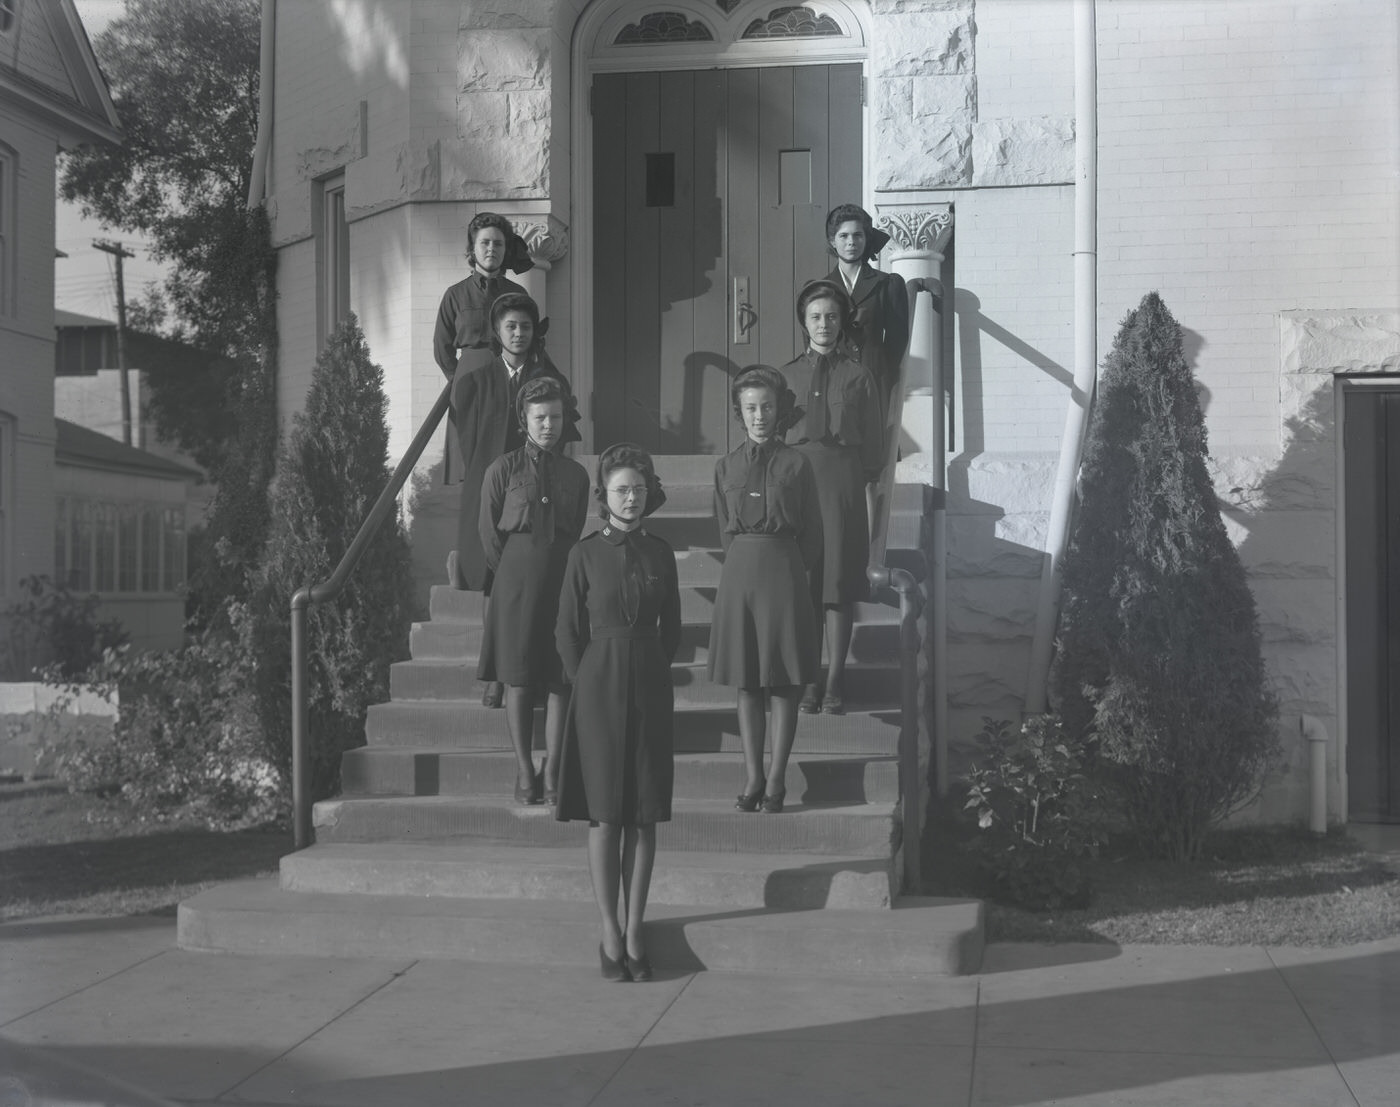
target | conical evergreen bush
x=1159, y=650
x=332, y=469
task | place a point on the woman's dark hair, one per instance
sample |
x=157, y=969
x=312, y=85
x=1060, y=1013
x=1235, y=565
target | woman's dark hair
x=847, y=213
x=516, y=301
x=826, y=290
x=875, y=239
x=479, y=223
x=627, y=455
x=539, y=390
x=762, y=376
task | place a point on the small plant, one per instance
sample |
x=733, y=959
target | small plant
x=1039, y=815
x=186, y=741
x=51, y=626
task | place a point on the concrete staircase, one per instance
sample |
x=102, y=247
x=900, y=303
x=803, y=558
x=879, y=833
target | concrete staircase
x=426, y=853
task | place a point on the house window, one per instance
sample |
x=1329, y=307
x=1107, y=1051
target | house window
x=106, y=547
x=8, y=177
x=332, y=259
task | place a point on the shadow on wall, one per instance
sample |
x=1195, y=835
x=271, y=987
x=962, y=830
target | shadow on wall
x=997, y=511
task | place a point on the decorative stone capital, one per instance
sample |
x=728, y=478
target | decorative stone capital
x=547, y=241
x=922, y=231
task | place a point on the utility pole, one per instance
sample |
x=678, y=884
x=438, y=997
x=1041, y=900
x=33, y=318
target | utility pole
x=118, y=251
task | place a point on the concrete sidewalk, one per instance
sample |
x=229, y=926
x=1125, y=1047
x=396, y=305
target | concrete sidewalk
x=1081, y=1024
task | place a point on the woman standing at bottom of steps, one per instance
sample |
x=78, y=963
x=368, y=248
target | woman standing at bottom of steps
x=618, y=630
x=763, y=638
x=533, y=506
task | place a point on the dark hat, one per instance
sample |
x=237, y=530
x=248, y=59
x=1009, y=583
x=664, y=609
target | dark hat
x=765, y=376
x=517, y=258
x=627, y=455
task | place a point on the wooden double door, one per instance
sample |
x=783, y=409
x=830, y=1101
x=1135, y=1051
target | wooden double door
x=1372, y=450
x=710, y=194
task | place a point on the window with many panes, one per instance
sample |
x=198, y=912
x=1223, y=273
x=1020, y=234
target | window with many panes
x=100, y=546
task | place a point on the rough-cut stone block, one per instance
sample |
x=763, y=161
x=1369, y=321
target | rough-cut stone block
x=1340, y=342
x=505, y=61
x=1304, y=677
x=507, y=14
x=1002, y=484
x=919, y=43
x=1023, y=152
x=987, y=675
x=403, y=172
x=977, y=549
x=504, y=150
x=916, y=151
x=1297, y=611
x=338, y=141
x=1289, y=545
x=943, y=99
x=992, y=610
x=290, y=212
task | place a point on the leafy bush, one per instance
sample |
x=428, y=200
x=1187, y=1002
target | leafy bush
x=331, y=471
x=1039, y=814
x=1159, y=640
x=52, y=626
x=186, y=741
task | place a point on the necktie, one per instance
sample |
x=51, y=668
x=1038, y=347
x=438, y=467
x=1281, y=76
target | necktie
x=632, y=580
x=753, y=508
x=542, y=509
x=817, y=420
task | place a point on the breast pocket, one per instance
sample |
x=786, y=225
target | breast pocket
x=848, y=413
x=515, y=508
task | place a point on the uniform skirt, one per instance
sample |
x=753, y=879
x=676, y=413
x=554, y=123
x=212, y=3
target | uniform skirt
x=517, y=645
x=845, y=523
x=617, y=762
x=764, y=632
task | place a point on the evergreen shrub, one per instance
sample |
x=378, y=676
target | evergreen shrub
x=1040, y=816
x=52, y=627
x=331, y=470
x=1159, y=653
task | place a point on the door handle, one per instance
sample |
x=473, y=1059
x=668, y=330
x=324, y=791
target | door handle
x=745, y=318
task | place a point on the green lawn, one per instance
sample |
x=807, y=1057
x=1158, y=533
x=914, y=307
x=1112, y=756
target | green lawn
x=63, y=853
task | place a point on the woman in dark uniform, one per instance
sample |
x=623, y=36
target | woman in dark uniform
x=880, y=300
x=617, y=633
x=840, y=434
x=533, y=505
x=484, y=390
x=763, y=638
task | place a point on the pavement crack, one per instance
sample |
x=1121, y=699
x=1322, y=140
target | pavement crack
x=640, y=1042
x=394, y=975
x=79, y=991
x=1283, y=976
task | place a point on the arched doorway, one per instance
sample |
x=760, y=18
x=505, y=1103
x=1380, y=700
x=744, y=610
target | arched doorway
x=711, y=137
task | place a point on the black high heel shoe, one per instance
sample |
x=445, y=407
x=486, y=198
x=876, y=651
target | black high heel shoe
x=529, y=794
x=614, y=971
x=749, y=801
x=773, y=804
x=639, y=968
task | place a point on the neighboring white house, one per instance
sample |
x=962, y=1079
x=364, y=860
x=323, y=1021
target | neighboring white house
x=672, y=153
x=52, y=97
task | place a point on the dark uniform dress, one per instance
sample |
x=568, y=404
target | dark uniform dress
x=533, y=505
x=841, y=435
x=764, y=632
x=483, y=409
x=881, y=332
x=618, y=629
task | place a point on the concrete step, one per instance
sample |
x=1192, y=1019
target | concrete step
x=869, y=830
x=918, y=935
x=561, y=873
x=812, y=778
x=700, y=727
x=455, y=679
x=459, y=640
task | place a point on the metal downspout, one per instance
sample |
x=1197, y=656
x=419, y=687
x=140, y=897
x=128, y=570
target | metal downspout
x=1085, y=349
x=257, y=181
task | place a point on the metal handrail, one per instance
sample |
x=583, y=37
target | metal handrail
x=911, y=603
x=329, y=589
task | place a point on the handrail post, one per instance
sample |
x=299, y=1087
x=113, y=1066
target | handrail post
x=910, y=782
x=329, y=589
x=301, y=775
